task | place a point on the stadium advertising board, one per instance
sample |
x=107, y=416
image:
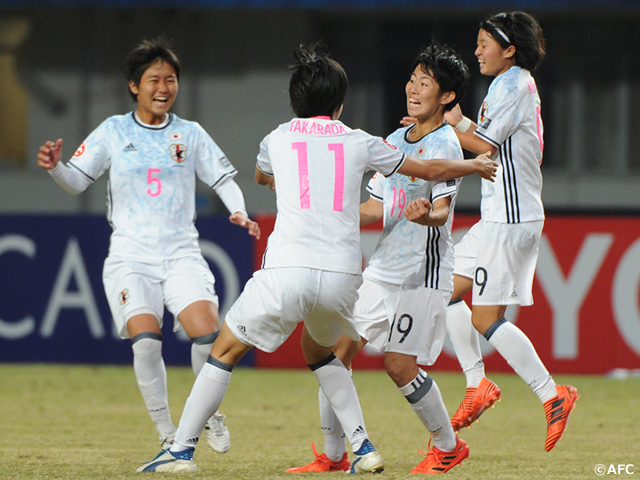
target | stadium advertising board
x=52, y=303
x=586, y=315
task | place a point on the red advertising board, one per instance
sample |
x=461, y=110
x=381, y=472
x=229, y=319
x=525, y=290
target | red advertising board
x=586, y=315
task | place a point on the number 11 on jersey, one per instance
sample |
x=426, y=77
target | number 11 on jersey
x=303, y=174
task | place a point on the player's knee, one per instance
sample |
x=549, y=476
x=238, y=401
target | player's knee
x=346, y=349
x=205, y=339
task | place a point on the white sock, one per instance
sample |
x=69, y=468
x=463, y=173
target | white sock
x=151, y=375
x=337, y=385
x=424, y=396
x=516, y=348
x=466, y=342
x=200, y=350
x=199, y=355
x=335, y=440
x=205, y=398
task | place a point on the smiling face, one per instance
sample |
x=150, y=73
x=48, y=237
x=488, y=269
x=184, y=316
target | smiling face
x=156, y=92
x=493, y=59
x=424, y=98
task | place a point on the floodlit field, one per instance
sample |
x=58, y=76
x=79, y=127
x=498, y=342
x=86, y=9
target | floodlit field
x=84, y=422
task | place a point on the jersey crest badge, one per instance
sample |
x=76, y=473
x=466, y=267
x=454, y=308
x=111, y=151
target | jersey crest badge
x=124, y=296
x=483, y=111
x=80, y=151
x=485, y=121
x=178, y=152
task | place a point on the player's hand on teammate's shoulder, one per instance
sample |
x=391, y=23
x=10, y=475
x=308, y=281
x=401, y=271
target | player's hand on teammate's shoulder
x=488, y=167
x=241, y=219
x=418, y=211
x=49, y=154
x=454, y=116
x=407, y=121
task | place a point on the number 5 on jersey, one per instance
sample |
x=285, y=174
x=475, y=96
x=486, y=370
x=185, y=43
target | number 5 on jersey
x=156, y=184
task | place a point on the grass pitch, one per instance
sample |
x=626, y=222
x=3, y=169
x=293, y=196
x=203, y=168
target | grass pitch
x=85, y=422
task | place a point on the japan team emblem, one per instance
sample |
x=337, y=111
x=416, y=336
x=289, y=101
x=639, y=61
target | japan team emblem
x=124, y=296
x=484, y=119
x=80, y=150
x=483, y=112
x=178, y=152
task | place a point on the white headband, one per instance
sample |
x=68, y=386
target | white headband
x=497, y=29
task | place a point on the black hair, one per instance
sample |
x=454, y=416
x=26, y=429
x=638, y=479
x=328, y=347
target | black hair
x=147, y=53
x=318, y=84
x=446, y=67
x=523, y=32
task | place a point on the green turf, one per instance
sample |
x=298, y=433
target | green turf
x=83, y=422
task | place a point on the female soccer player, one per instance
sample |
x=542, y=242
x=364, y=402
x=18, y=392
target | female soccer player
x=312, y=267
x=153, y=158
x=402, y=303
x=496, y=259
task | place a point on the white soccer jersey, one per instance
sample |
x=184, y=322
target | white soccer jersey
x=152, y=175
x=510, y=120
x=318, y=165
x=408, y=253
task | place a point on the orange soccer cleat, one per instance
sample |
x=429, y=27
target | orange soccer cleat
x=437, y=461
x=475, y=402
x=322, y=463
x=558, y=410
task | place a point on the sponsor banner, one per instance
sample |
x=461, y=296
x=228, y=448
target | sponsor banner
x=53, y=306
x=586, y=315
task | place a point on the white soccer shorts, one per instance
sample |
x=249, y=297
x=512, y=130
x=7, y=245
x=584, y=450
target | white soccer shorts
x=136, y=287
x=275, y=300
x=501, y=260
x=402, y=319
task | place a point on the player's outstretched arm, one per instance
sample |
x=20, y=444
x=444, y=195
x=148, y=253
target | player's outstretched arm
x=70, y=179
x=239, y=218
x=440, y=170
x=49, y=154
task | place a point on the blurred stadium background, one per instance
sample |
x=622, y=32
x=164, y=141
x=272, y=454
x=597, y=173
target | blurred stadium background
x=61, y=65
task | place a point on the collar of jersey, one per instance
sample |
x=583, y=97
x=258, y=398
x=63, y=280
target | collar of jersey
x=411, y=127
x=166, y=121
